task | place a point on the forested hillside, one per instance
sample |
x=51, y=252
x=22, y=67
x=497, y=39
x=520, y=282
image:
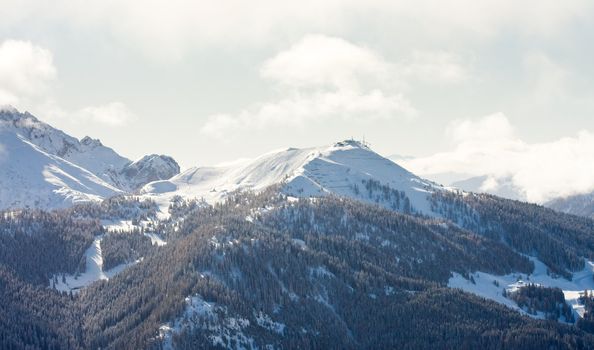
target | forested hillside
x=269, y=270
x=561, y=241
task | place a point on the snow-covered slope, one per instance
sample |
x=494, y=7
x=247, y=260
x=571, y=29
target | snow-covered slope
x=94, y=271
x=345, y=168
x=31, y=177
x=89, y=153
x=491, y=286
x=41, y=166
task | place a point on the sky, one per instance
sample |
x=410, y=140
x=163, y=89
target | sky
x=502, y=88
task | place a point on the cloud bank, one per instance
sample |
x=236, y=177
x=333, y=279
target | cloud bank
x=111, y=114
x=185, y=24
x=25, y=71
x=327, y=78
x=489, y=146
x=320, y=78
x=26, y=74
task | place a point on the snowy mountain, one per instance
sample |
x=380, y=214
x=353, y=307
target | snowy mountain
x=582, y=204
x=31, y=177
x=498, y=186
x=147, y=169
x=87, y=153
x=45, y=167
x=347, y=168
x=279, y=270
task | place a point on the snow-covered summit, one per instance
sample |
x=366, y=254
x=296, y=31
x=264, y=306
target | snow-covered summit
x=347, y=168
x=29, y=147
x=352, y=143
x=31, y=177
x=87, y=153
x=149, y=168
x=8, y=108
x=90, y=142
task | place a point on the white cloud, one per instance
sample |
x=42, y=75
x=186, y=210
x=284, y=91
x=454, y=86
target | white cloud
x=111, y=114
x=481, y=133
x=548, y=80
x=184, y=24
x=320, y=78
x=489, y=146
x=437, y=66
x=318, y=60
x=323, y=78
x=25, y=70
x=297, y=110
x=25, y=73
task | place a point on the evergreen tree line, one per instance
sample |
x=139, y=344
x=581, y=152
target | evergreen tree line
x=550, y=301
x=561, y=241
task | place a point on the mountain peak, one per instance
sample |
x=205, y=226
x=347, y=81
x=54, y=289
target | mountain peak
x=153, y=167
x=347, y=168
x=68, y=168
x=9, y=113
x=352, y=143
x=88, y=141
x=8, y=109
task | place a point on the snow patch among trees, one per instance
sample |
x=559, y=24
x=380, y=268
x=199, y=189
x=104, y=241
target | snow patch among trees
x=93, y=272
x=495, y=287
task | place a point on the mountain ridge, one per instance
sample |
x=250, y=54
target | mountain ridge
x=346, y=168
x=579, y=204
x=53, y=149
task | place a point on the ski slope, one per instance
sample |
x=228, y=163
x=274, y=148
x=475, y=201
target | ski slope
x=93, y=272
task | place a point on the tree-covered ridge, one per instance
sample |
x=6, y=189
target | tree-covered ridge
x=377, y=192
x=328, y=287
x=586, y=323
x=285, y=272
x=36, y=317
x=560, y=240
x=536, y=299
x=418, y=247
x=123, y=207
x=123, y=248
x=37, y=244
